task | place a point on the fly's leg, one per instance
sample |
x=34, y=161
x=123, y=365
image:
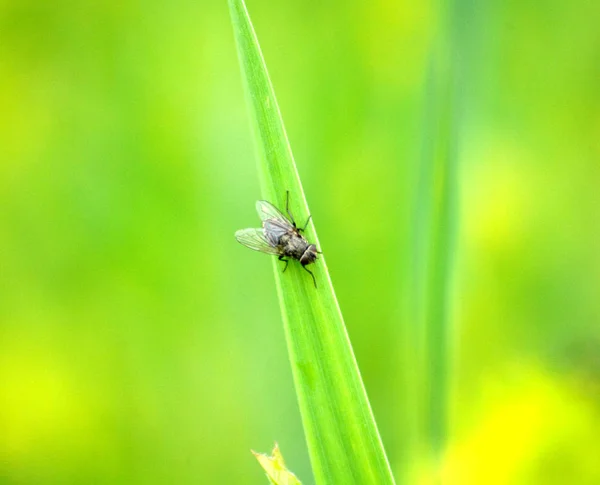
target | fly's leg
x=310, y=273
x=285, y=260
x=305, y=225
x=287, y=207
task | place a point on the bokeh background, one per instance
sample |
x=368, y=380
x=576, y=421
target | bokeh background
x=139, y=343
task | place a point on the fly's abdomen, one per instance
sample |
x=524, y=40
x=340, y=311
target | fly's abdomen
x=275, y=231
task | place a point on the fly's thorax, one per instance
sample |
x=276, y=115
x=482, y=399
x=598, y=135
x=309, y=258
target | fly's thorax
x=293, y=245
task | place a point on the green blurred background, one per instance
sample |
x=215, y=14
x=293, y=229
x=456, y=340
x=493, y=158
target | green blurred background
x=140, y=344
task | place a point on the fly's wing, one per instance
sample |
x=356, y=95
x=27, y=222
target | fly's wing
x=266, y=211
x=255, y=239
x=274, y=222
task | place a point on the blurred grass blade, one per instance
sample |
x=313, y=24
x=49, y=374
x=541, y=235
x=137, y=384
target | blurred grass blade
x=343, y=441
x=438, y=271
x=436, y=220
x=275, y=468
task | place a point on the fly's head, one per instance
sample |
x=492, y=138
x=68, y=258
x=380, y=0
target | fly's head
x=309, y=256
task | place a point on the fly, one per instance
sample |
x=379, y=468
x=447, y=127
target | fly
x=279, y=236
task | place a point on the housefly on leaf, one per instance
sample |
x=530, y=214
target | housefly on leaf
x=279, y=236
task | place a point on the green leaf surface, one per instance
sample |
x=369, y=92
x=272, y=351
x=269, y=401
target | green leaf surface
x=342, y=437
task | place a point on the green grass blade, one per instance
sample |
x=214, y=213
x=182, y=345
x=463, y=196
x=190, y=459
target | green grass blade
x=436, y=224
x=342, y=437
x=439, y=272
